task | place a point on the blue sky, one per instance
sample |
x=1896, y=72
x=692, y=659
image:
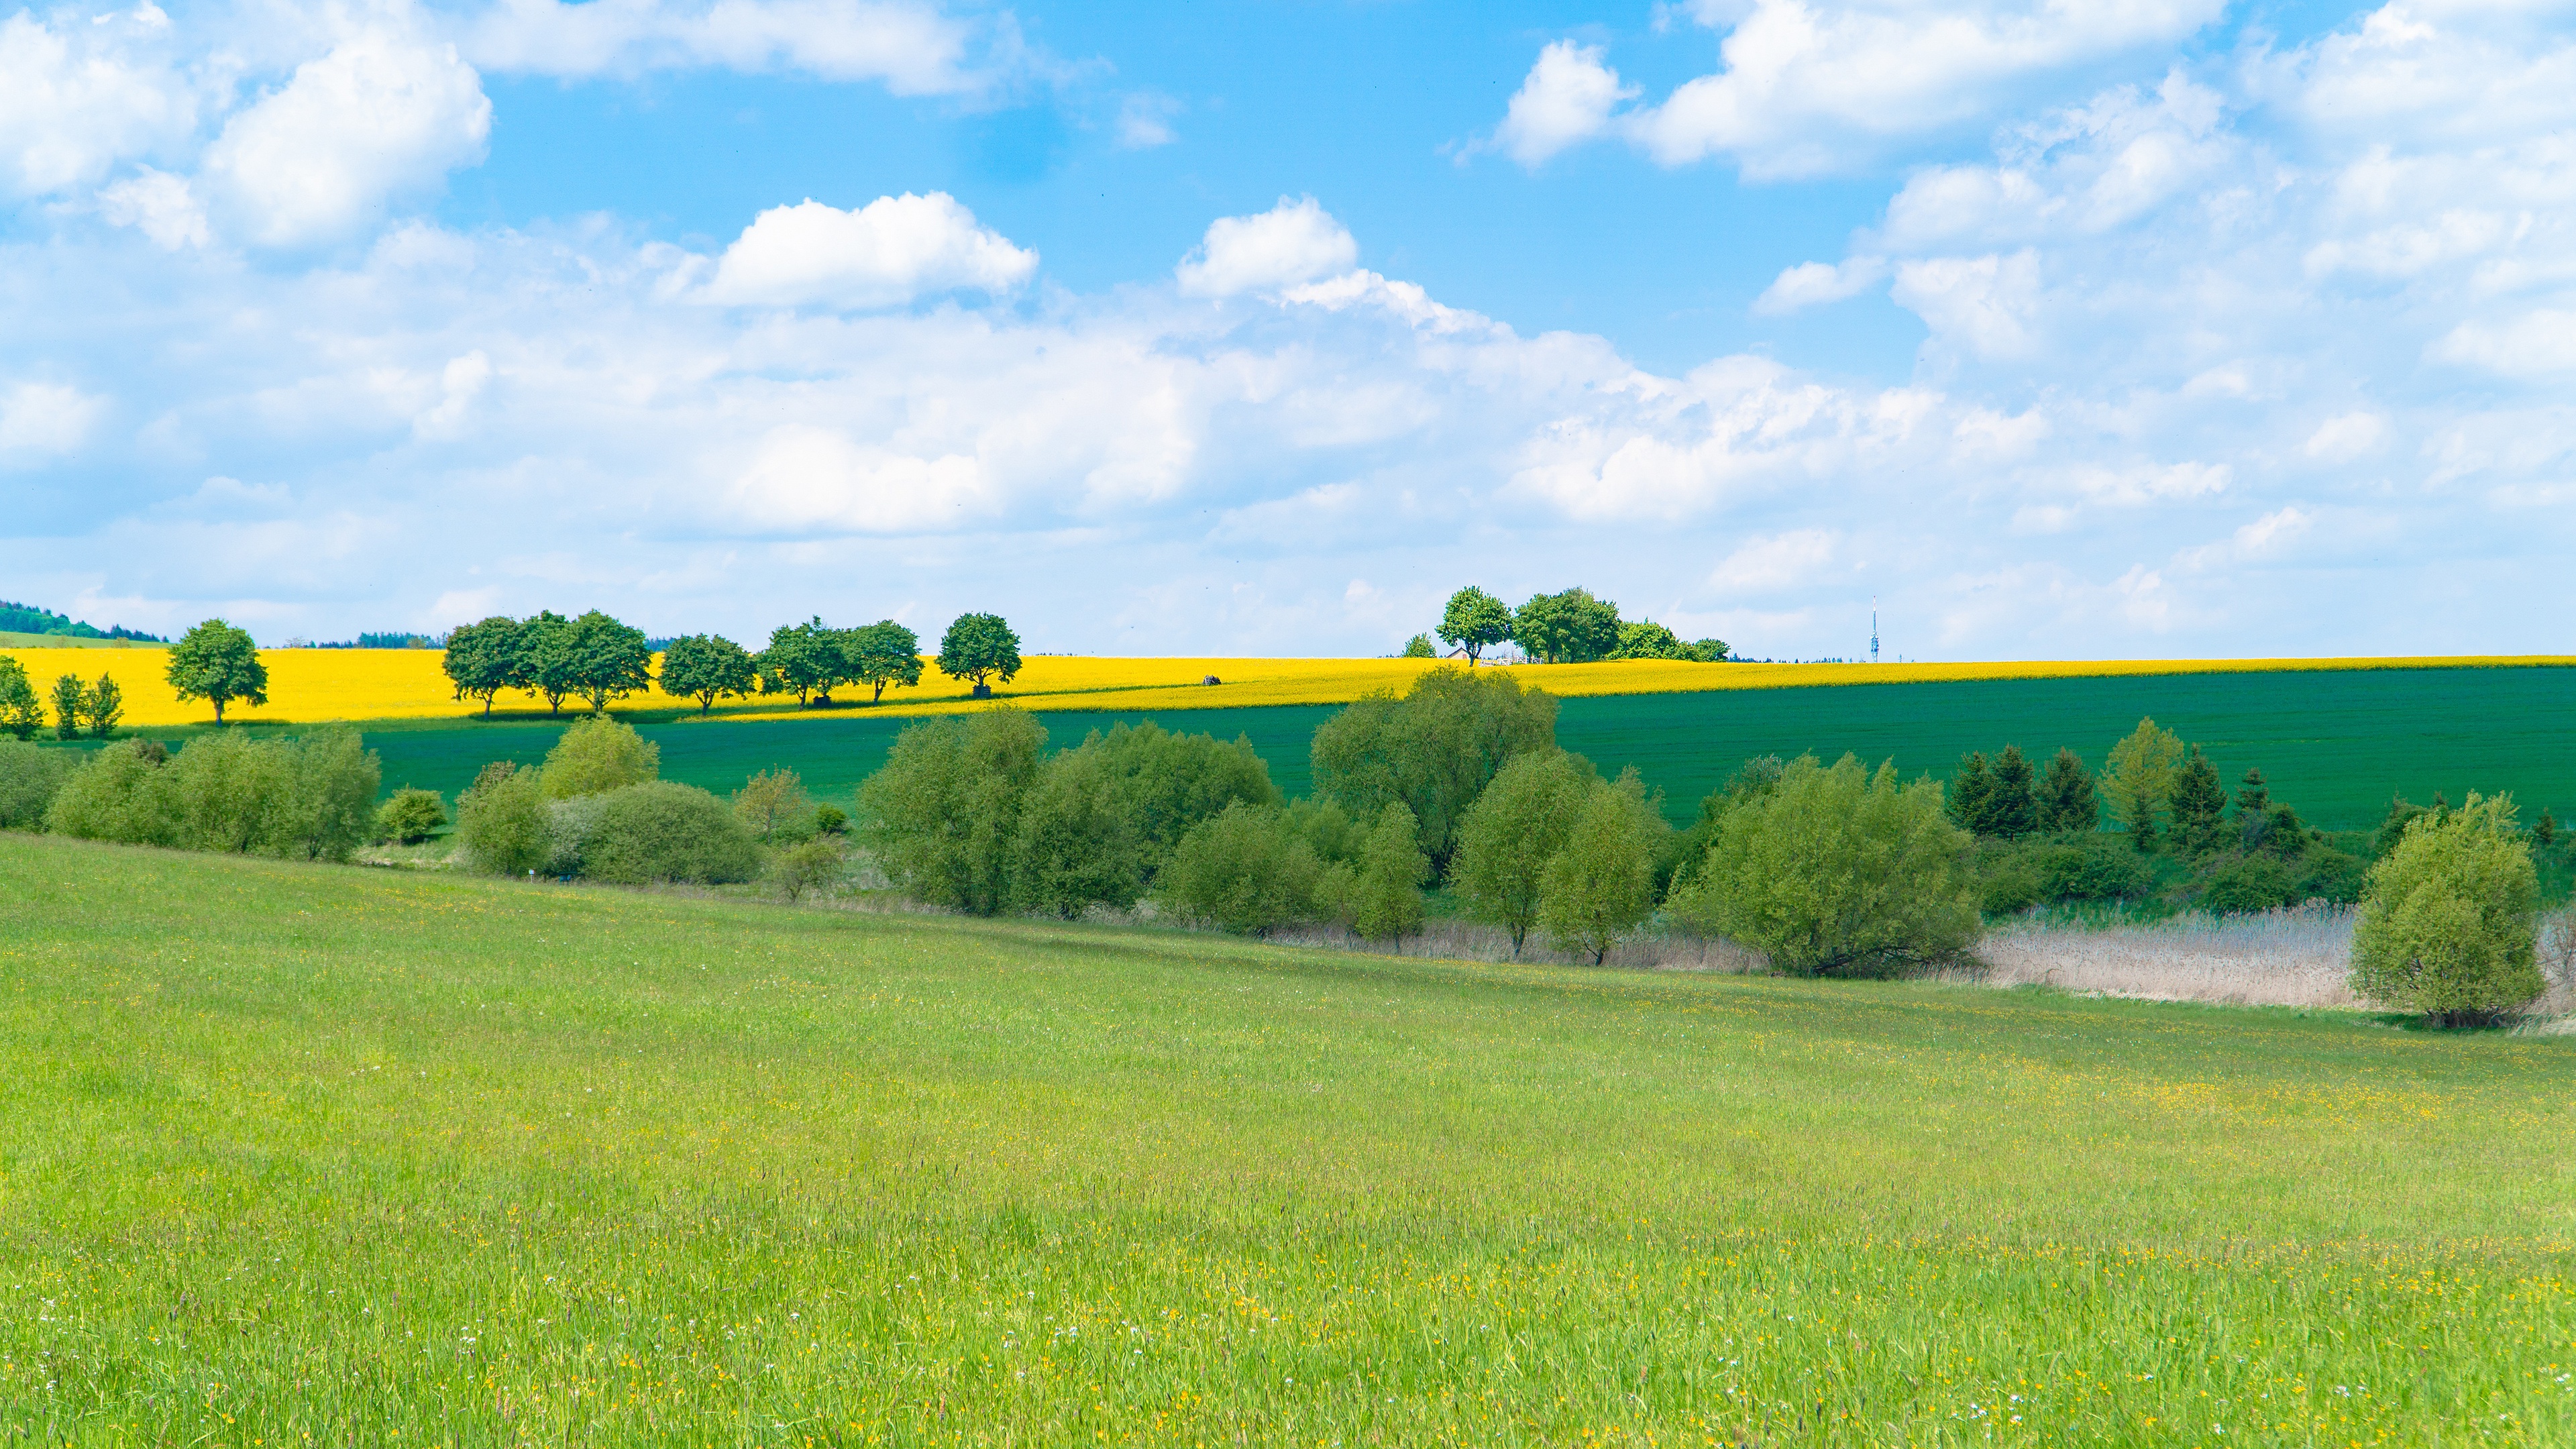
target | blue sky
x=2147, y=327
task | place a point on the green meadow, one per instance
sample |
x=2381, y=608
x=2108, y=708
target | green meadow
x=307, y=1154
x=2335, y=744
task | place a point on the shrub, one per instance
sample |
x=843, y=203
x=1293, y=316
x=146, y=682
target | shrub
x=831, y=820
x=942, y=814
x=1839, y=872
x=2093, y=868
x=2447, y=921
x=599, y=754
x=1075, y=847
x=1421, y=647
x=30, y=777
x=1602, y=881
x=501, y=820
x=1511, y=833
x=410, y=816
x=234, y=792
x=122, y=793
x=1435, y=748
x=773, y=803
x=1643, y=639
x=331, y=801
x=663, y=831
x=1385, y=893
x=2010, y=886
x=814, y=866
x=2251, y=883
x=1245, y=871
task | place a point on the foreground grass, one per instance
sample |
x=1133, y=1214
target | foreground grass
x=301, y=1154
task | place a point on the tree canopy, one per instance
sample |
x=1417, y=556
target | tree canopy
x=980, y=649
x=1475, y=621
x=483, y=659
x=218, y=663
x=1434, y=748
x=1567, y=628
x=706, y=667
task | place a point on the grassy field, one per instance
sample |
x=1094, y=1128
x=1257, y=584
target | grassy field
x=2334, y=744
x=303, y=1154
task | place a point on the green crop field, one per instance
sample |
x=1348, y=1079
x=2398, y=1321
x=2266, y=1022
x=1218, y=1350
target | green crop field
x=2335, y=744
x=308, y=1154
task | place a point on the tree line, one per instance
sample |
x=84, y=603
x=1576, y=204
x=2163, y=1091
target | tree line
x=598, y=659
x=1571, y=627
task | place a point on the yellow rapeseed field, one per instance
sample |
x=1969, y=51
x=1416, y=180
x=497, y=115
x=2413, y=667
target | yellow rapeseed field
x=310, y=685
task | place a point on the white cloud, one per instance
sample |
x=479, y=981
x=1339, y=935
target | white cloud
x=2539, y=343
x=1811, y=284
x=80, y=93
x=1811, y=85
x=883, y=254
x=1295, y=241
x=381, y=115
x=2266, y=538
x=1989, y=304
x=912, y=49
x=1782, y=561
x=2346, y=438
x=2141, y=484
x=42, y=420
x=1567, y=99
x=160, y=205
x=804, y=479
x=1145, y=121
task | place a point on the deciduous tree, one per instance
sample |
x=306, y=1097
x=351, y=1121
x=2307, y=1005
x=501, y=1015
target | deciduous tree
x=482, y=659
x=21, y=712
x=218, y=663
x=880, y=654
x=1386, y=891
x=1601, y=882
x=70, y=698
x=942, y=814
x=1475, y=621
x=980, y=649
x=103, y=707
x=1434, y=748
x=598, y=754
x=1839, y=871
x=1511, y=833
x=2447, y=919
x=706, y=668
x=1568, y=628
x=2139, y=778
x=610, y=660
x=543, y=661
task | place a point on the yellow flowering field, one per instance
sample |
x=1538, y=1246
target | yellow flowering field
x=363, y=684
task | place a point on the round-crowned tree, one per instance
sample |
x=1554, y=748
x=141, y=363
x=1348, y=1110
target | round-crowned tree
x=218, y=663
x=980, y=649
x=2447, y=919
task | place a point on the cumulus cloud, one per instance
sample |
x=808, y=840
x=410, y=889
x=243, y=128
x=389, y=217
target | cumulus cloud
x=912, y=49
x=1781, y=561
x=1295, y=241
x=160, y=205
x=883, y=254
x=382, y=115
x=79, y=93
x=1988, y=304
x=1813, y=85
x=1567, y=99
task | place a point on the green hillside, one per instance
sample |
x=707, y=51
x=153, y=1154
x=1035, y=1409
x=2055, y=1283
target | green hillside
x=311, y=1154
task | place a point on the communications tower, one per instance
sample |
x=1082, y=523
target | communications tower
x=1873, y=628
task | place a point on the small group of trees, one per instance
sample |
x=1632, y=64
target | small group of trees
x=592, y=657
x=1571, y=627
x=80, y=710
x=598, y=659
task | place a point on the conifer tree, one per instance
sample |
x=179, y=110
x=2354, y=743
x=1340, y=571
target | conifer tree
x=2197, y=804
x=1970, y=791
x=2012, y=811
x=2253, y=796
x=2066, y=798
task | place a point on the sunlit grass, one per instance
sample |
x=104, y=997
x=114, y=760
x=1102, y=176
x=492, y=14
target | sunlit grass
x=308, y=1153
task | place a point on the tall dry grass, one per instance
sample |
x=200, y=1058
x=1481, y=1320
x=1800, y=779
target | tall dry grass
x=2297, y=956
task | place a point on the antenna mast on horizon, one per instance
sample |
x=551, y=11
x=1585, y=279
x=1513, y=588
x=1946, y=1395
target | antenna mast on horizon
x=1873, y=628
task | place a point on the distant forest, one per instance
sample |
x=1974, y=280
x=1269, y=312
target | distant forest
x=28, y=619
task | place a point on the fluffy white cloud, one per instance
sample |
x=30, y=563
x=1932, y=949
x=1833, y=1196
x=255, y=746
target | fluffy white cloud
x=160, y=205
x=79, y=93
x=912, y=49
x=1567, y=98
x=382, y=115
x=1781, y=561
x=1816, y=85
x=1988, y=304
x=1295, y=241
x=882, y=254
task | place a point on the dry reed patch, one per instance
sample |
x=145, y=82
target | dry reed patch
x=2299, y=956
